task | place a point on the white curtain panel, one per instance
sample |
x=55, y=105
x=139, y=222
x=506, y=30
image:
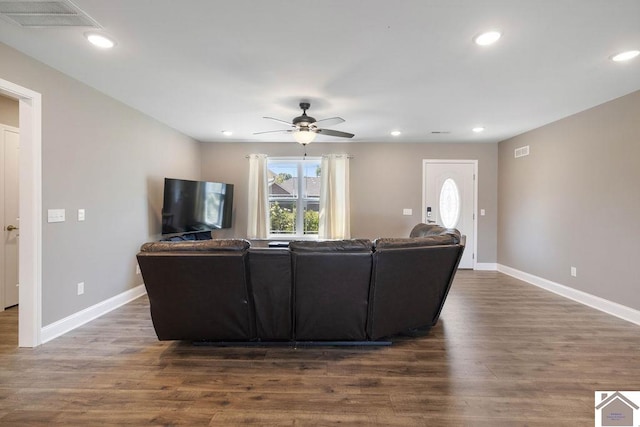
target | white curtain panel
x=258, y=207
x=334, y=197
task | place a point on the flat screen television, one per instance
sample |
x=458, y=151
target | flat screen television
x=195, y=206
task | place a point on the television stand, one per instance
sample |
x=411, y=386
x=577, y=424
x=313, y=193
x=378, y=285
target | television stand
x=198, y=235
x=278, y=244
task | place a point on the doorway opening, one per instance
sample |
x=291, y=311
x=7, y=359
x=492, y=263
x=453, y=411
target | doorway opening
x=9, y=219
x=449, y=199
x=30, y=212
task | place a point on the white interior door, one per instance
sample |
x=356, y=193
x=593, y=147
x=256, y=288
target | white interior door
x=449, y=200
x=10, y=222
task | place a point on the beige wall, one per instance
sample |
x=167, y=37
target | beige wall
x=385, y=178
x=107, y=158
x=575, y=201
x=8, y=111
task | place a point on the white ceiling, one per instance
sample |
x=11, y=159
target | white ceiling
x=204, y=66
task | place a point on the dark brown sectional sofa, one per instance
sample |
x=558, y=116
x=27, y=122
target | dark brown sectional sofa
x=314, y=291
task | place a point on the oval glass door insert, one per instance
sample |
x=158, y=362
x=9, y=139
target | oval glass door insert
x=449, y=203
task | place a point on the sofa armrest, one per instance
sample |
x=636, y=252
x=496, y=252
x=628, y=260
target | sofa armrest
x=213, y=245
x=426, y=230
x=349, y=245
x=413, y=242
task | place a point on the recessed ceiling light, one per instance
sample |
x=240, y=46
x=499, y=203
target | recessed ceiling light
x=100, y=40
x=625, y=56
x=478, y=129
x=396, y=133
x=485, y=39
x=227, y=133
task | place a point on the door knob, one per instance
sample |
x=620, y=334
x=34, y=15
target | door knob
x=11, y=227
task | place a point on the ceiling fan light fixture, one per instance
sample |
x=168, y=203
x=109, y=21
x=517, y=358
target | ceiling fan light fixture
x=304, y=136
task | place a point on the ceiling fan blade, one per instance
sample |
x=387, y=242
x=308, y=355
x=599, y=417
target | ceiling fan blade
x=279, y=121
x=331, y=132
x=274, y=131
x=330, y=121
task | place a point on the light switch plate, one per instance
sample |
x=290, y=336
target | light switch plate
x=80, y=214
x=55, y=215
x=407, y=211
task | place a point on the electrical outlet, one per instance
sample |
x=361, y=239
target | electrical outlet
x=574, y=272
x=80, y=288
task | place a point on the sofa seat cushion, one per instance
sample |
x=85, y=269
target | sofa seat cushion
x=213, y=245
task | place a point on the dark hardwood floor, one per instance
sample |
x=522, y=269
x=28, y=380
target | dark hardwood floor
x=504, y=353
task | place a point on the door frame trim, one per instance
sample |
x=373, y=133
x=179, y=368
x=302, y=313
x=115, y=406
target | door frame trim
x=30, y=193
x=426, y=162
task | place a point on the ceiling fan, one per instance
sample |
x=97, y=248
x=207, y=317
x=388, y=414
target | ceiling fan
x=305, y=128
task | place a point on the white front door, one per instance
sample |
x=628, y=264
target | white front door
x=9, y=152
x=449, y=200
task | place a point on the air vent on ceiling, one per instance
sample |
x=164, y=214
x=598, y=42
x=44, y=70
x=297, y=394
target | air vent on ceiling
x=437, y=132
x=521, y=152
x=46, y=14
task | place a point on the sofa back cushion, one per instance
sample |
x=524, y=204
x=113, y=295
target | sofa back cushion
x=271, y=288
x=331, y=289
x=411, y=279
x=198, y=294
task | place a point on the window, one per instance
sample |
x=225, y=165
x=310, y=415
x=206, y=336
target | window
x=294, y=196
x=449, y=203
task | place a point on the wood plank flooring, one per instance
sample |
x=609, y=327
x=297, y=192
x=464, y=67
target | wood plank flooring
x=504, y=353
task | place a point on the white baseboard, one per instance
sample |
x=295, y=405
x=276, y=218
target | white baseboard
x=609, y=307
x=78, y=319
x=486, y=266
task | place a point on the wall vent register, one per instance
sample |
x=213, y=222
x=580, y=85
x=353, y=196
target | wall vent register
x=521, y=152
x=41, y=14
